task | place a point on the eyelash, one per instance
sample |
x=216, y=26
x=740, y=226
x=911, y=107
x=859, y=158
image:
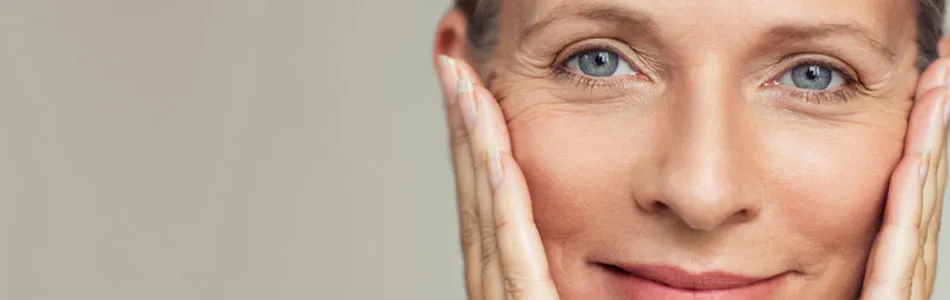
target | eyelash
x=587, y=82
x=840, y=94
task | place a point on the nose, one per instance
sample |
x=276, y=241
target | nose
x=706, y=177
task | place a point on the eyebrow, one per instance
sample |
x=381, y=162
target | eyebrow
x=647, y=27
x=598, y=12
x=786, y=34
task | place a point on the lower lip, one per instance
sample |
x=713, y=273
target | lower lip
x=640, y=288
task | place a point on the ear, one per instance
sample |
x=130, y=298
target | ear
x=451, y=37
x=943, y=47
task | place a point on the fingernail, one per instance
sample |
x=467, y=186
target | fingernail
x=495, y=171
x=448, y=70
x=468, y=103
x=924, y=167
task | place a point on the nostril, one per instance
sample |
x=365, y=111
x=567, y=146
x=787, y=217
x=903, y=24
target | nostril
x=652, y=206
x=659, y=206
x=744, y=214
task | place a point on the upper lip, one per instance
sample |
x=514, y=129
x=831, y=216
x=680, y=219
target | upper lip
x=681, y=279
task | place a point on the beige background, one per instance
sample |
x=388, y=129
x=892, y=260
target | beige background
x=229, y=149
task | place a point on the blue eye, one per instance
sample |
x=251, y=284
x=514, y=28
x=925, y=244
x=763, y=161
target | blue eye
x=599, y=63
x=813, y=77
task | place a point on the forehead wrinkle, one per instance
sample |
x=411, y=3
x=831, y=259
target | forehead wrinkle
x=599, y=12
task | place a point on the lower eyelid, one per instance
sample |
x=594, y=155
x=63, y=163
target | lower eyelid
x=589, y=82
x=840, y=94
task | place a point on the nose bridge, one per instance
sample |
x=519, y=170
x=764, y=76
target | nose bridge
x=701, y=176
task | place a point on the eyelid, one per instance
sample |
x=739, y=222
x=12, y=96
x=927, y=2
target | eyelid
x=843, y=93
x=787, y=63
x=624, y=52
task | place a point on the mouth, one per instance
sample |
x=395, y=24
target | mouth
x=672, y=283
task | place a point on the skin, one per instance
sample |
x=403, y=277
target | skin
x=700, y=160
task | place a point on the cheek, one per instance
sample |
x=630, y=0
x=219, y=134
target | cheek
x=570, y=178
x=580, y=164
x=825, y=184
x=828, y=184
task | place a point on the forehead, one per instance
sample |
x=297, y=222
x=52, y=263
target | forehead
x=886, y=21
x=866, y=10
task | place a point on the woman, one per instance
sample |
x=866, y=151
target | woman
x=745, y=149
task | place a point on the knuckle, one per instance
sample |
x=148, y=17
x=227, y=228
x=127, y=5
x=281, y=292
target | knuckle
x=518, y=286
x=488, y=223
x=469, y=228
x=480, y=159
x=933, y=229
x=489, y=250
x=459, y=137
x=515, y=287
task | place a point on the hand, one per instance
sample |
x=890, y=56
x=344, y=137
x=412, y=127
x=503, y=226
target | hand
x=904, y=256
x=504, y=257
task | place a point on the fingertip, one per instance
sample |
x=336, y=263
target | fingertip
x=509, y=168
x=488, y=102
x=448, y=75
x=466, y=70
x=943, y=47
x=928, y=120
x=468, y=103
x=492, y=118
x=482, y=92
x=512, y=189
x=904, y=203
x=935, y=75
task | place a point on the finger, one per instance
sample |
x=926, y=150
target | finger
x=942, y=172
x=932, y=79
x=521, y=252
x=934, y=134
x=935, y=75
x=933, y=227
x=485, y=137
x=451, y=72
x=463, y=166
x=933, y=187
x=926, y=135
x=932, y=196
x=899, y=243
x=894, y=254
x=943, y=47
x=930, y=254
x=918, y=288
x=523, y=263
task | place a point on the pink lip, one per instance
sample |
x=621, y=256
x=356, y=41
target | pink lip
x=672, y=283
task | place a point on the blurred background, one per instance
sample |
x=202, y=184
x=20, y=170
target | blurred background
x=239, y=149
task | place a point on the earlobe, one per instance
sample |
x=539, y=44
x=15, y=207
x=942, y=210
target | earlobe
x=451, y=38
x=943, y=47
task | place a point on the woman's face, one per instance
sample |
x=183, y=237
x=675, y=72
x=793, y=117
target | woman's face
x=750, y=138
